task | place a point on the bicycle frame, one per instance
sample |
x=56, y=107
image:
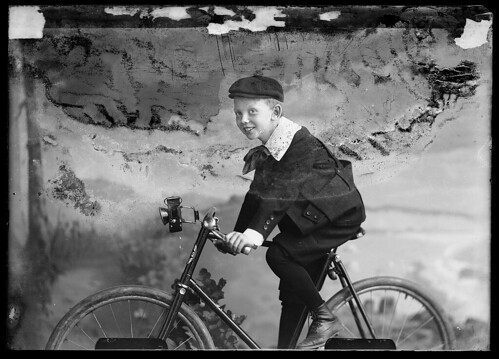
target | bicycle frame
x=186, y=282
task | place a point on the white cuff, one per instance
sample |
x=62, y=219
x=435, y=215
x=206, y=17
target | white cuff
x=254, y=236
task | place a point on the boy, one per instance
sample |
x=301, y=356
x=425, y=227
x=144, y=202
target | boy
x=302, y=188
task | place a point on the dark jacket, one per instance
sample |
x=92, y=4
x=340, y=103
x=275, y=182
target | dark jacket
x=309, y=187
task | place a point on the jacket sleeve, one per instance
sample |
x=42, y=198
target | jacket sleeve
x=246, y=212
x=271, y=202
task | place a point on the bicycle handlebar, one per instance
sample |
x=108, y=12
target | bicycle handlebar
x=173, y=216
x=222, y=246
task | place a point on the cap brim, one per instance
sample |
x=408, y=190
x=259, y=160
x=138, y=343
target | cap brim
x=239, y=94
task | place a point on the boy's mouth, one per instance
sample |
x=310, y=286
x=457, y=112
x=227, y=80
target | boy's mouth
x=248, y=129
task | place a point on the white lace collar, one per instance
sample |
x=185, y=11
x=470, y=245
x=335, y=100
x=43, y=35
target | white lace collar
x=281, y=138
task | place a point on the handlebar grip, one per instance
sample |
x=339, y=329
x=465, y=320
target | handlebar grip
x=246, y=250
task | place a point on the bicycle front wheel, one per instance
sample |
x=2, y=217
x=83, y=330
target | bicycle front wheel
x=127, y=312
x=399, y=310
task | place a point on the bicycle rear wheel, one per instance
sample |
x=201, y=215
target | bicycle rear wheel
x=127, y=312
x=399, y=310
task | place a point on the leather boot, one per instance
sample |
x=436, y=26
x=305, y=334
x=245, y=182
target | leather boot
x=324, y=326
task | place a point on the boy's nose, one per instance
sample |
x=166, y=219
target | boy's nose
x=244, y=119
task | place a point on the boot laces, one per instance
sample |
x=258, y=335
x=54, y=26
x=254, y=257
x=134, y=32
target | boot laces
x=314, y=315
x=315, y=323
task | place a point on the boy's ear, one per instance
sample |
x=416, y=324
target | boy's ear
x=277, y=110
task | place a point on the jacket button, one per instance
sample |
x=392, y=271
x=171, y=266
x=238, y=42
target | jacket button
x=265, y=227
x=267, y=222
x=271, y=218
x=315, y=217
x=307, y=213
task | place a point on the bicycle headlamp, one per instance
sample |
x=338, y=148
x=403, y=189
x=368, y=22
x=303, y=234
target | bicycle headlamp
x=172, y=215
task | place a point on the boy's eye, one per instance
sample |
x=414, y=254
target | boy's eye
x=252, y=111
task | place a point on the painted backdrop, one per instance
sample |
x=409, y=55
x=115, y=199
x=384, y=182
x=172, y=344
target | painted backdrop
x=112, y=109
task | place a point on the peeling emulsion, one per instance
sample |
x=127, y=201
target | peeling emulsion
x=115, y=112
x=427, y=116
x=26, y=22
x=208, y=168
x=71, y=190
x=378, y=146
x=474, y=34
x=64, y=45
x=328, y=16
x=349, y=152
x=380, y=79
x=50, y=139
x=169, y=79
x=140, y=156
x=173, y=12
x=263, y=18
x=459, y=81
x=106, y=103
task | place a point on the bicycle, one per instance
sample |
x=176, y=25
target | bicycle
x=377, y=312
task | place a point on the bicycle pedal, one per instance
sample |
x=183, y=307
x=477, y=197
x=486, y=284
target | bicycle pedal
x=130, y=344
x=358, y=344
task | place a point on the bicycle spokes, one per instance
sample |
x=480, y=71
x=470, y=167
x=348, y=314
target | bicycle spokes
x=401, y=317
x=122, y=321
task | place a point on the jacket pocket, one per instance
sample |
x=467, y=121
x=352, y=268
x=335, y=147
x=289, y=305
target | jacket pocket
x=307, y=217
x=313, y=214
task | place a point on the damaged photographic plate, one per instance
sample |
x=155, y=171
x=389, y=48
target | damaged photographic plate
x=114, y=108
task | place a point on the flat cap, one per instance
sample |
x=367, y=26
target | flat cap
x=257, y=87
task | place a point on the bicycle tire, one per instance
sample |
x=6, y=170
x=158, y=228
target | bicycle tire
x=84, y=322
x=428, y=328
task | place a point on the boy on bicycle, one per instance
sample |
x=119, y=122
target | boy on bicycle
x=302, y=188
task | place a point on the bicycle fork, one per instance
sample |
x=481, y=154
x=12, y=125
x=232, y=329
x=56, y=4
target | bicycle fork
x=182, y=284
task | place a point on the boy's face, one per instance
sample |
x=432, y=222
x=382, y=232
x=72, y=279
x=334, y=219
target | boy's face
x=255, y=118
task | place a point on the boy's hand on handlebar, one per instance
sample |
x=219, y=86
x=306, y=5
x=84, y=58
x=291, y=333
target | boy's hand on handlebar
x=236, y=241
